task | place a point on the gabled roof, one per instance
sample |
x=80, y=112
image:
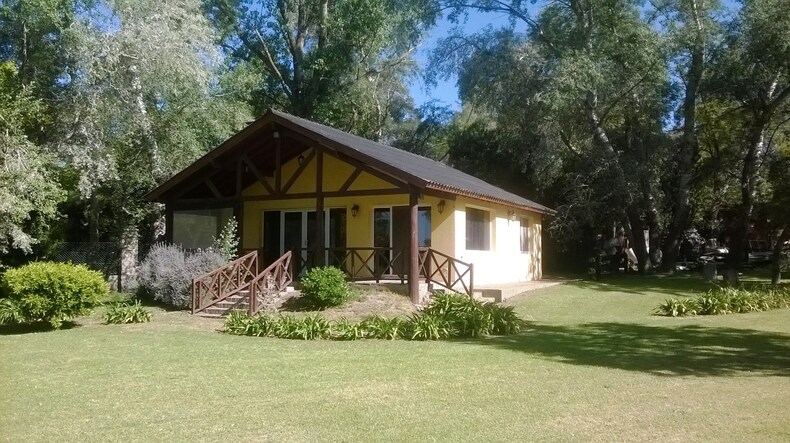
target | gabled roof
x=414, y=169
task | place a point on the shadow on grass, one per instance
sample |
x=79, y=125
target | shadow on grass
x=671, y=351
x=636, y=284
x=29, y=328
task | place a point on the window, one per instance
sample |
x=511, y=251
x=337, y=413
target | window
x=196, y=229
x=526, y=236
x=478, y=227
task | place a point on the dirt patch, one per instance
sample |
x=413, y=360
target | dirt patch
x=366, y=301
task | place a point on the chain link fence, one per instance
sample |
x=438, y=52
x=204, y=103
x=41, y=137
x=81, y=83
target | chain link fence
x=104, y=257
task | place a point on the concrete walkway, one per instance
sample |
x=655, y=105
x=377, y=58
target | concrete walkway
x=503, y=292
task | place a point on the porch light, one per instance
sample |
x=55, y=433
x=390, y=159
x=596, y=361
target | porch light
x=354, y=210
x=440, y=206
x=300, y=159
x=511, y=215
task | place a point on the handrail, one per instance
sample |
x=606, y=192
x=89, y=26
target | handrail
x=358, y=263
x=219, y=284
x=272, y=280
x=443, y=269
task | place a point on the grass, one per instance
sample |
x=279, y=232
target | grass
x=594, y=365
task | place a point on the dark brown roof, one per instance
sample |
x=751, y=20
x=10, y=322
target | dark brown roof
x=412, y=168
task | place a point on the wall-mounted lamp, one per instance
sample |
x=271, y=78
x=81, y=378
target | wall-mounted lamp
x=300, y=159
x=511, y=215
x=354, y=210
x=440, y=206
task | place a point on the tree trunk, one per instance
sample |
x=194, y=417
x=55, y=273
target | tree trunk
x=776, y=254
x=687, y=153
x=748, y=185
x=637, y=238
x=94, y=215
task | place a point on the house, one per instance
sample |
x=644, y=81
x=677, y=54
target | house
x=377, y=212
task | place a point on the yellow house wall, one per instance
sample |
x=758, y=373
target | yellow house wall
x=359, y=229
x=504, y=262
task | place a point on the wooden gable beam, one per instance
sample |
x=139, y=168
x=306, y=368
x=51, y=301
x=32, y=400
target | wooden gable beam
x=376, y=173
x=213, y=188
x=298, y=172
x=351, y=179
x=258, y=175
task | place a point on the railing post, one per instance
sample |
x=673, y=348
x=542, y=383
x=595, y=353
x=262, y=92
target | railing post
x=194, y=296
x=471, y=279
x=252, y=308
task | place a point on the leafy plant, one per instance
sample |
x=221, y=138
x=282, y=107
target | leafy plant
x=125, y=313
x=167, y=272
x=324, y=287
x=728, y=300
x=50, y=292
x=343, y=329
x=227, y=244
x=428, y=327
x=504, y=320
x=383, y=328
x=313, y=327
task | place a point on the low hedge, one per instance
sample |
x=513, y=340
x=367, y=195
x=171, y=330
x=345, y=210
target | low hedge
x=50, y=292
x=728, y=300
x=449, y=315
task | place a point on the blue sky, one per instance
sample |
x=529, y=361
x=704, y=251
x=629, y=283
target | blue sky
x=446, y=92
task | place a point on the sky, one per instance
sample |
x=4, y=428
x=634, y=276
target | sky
x=446, y=91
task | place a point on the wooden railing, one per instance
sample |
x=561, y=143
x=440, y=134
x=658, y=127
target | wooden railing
x=270, y=282
x=221, y=283
x=446, y=271
x=372, y=263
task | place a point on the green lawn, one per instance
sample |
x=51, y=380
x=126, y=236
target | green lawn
x=595, y=365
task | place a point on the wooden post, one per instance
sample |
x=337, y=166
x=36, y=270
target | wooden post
x=414, y=258
x=278, y=155
x=169, y=223
x=320, y=247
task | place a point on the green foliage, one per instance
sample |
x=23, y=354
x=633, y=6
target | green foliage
x=448, y=315
x=125, y=313
x=383, y=328
x=167, y=272
x=428, y=327
x=343, y=329
x=728, y=300
x=51, y=292
x=324, y=287
x=29, y=190
x=227, y=243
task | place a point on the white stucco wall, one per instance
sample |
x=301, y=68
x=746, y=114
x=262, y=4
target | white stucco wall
x=504, y=262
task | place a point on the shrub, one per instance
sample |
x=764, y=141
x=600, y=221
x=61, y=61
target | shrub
x=167, y=272
x=674, y=308
x=428, y=327
x=343, y=329
x=467, y=316
x=504, y=320
x=227, y=244
x=50, y=292
x=727, y=300
x=383, y=328
x=324, y=287
x=124, y=313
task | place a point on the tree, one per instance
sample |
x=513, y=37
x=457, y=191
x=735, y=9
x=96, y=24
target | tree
x=144, y=98
x=600, y=77
x=692, y=30
x=29, y=191
x=752, y=71
x=341, y=62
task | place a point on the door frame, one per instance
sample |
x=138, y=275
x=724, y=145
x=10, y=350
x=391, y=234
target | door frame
x=392, y=224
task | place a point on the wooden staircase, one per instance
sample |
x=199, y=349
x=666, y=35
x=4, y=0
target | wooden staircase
x=240, y=286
